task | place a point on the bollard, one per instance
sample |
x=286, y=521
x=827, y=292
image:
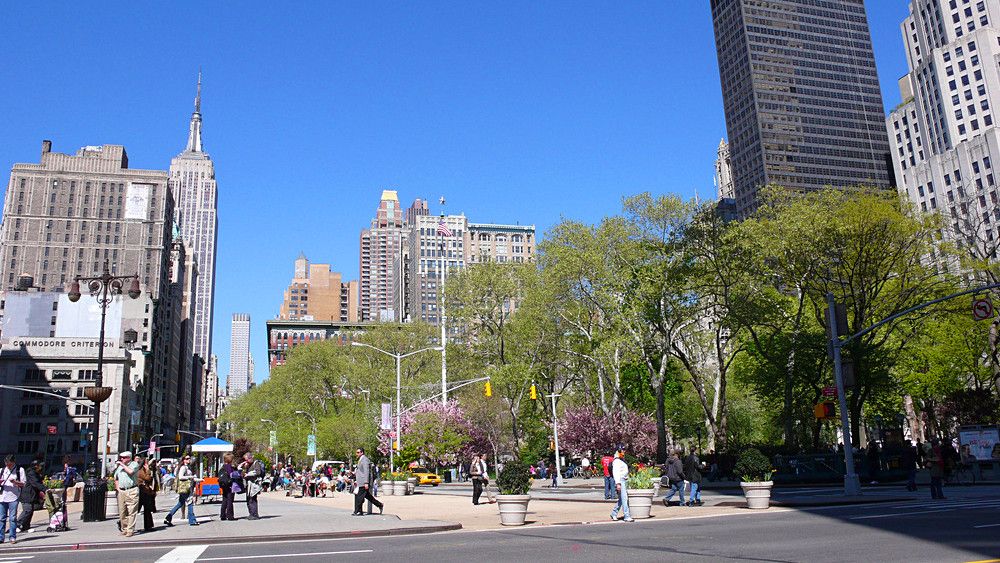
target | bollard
x=95, y=496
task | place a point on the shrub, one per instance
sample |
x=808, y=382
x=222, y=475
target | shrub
x=753, y=466
x=53, y=483
x=643, y=478
x=514, y=479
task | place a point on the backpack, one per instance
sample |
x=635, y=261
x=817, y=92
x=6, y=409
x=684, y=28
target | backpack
x=225, y=479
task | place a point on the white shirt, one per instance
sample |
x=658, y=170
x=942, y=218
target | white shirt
x=10, y=490
x=619, y=470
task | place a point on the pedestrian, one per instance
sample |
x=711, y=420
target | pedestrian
x=226, y=484
x=480, y=477
x=31, y=493
x=125, y=474
x=619, y=472
x=554, y=474
x=674, y=475
x=144, y=479
x=253, y=472
x=874, y=461
x=692, y=471
x=186, y=481
x=363, y=479
x=935, y=466
x=609, y=482
x=585, y=466
x=12, y=479
x=908, y=462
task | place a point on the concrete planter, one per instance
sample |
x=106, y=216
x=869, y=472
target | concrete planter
x=385, y=488
x=758, y=494
x=513, y=509
x=411, y=485
x=640, y=502
x=399, y=488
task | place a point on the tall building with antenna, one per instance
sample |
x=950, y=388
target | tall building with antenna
x=192, y=181
x=801, y=95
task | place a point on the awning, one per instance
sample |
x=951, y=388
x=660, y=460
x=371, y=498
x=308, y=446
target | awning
x=212, y=445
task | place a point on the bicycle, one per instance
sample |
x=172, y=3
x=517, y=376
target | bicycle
x=962, y=476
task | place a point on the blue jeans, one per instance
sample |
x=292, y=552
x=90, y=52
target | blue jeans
x=8, y=514
x=622, y=504
x=181, y=500
x=677, y=487
x=695, y=492
x=609, y=487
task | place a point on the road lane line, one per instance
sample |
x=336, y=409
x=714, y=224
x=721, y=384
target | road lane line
x=183, y=554
x=899, y=514
x=987, y=526
x=285, y=555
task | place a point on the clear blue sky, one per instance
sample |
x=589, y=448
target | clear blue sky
x=514, y=111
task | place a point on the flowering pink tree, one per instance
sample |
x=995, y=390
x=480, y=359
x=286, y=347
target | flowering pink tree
x=583, y=429
x=438, y=433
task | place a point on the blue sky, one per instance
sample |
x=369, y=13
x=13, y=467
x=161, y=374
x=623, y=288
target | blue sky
x=514, y=111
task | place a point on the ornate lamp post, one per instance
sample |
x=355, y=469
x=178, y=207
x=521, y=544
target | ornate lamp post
x=104, y=288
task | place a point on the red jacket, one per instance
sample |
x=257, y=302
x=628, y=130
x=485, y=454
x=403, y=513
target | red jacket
x=606, y=464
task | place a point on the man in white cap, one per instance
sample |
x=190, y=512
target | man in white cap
x=128, y=492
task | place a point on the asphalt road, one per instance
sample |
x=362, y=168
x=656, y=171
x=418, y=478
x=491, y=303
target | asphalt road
x=965, y=527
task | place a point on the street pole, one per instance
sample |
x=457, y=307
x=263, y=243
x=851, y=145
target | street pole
x=315, y=437
x=555, y=436
x=852, y=485
x=275, y=445
x=444, y=316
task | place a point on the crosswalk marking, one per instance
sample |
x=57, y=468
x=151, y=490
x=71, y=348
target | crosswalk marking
x=183, y=554
x=987, y=526
x=911, y=513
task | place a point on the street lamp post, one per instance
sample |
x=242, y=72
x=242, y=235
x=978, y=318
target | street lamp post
x=399, y=387
x=313, y=419
x=555, y=437
x=104, y=288
x=275, y=446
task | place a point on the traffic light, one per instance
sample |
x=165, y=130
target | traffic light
x=177, y=437
x=825, y=410
x=533, y=392
x=489, y=389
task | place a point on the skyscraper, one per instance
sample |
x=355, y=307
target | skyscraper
x=380, y=268
x=801, y=94
x=238, y=381
x=944, y=134
x=192, y=181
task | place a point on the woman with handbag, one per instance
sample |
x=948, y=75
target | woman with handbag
x=186, y=481
x=252, y=471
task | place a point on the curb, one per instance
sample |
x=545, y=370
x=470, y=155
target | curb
x=96, y=546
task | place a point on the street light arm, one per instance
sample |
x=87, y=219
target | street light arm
x=56, y=395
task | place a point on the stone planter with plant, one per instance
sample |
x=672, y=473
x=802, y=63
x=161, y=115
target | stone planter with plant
x=641, y=491
x=755, y=471
x=513, y=484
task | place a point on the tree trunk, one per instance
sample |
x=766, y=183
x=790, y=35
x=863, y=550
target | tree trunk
x=661, y=425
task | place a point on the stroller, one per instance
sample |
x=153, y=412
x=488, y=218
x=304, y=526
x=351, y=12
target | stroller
x=56, y=508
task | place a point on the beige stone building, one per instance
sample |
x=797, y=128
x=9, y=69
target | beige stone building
x=318, y=293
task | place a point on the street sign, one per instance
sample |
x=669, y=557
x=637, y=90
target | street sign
x=311, y=445
x=53, y=429
x=982, y=308
x=386, y=416
x=829, y=391
x=273, y=438
x=152, y=448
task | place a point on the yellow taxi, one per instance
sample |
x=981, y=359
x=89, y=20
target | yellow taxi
x=425, y=476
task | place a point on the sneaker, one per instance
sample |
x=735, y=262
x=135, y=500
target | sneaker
x=629, y=520
x=167, y=522
x=614, y=518
x=13, y=541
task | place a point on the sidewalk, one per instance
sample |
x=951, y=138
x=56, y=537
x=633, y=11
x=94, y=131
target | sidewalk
x=281, y=519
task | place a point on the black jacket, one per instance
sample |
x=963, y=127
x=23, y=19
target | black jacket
x=33, y=485
x=691, y=470
x=674, y=471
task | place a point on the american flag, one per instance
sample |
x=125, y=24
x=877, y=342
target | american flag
x=443, y=230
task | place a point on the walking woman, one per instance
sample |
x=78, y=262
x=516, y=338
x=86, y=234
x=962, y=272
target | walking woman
x=186, y=481
x=226, y=484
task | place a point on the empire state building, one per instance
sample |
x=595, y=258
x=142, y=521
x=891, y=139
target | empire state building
x=192, y=181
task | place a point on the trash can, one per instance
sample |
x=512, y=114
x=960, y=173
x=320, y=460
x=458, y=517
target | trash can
x=95, y=496
x=447, y=475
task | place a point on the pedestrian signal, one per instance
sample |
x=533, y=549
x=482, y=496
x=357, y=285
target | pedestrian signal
x=533, y=392
x=489, y=389
x=825, y=410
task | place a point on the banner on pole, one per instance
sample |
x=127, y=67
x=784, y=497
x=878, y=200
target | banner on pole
x=386, y=416
x=311, y=445
x=273, y=438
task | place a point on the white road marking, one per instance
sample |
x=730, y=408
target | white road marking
x=899, y=514
x=987, y=526
x=183, y=554
x=286, y=555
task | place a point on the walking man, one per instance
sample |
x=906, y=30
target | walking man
x=480, y=477
x=609, y=482
x=692, y=471
x=363, y=479
x=674, y=474
x=12, y=478
x=144, y=479
x=619, y=472
x=125, y=474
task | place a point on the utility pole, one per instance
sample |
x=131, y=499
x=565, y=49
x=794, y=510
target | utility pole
x=852, y=485
x=555, y=436
x=442, y=230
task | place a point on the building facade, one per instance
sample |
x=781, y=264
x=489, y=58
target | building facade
x=192, y=181
x=317, y=293
x=944, y=135
x=380, y=283
x=283, y=335
x=801, y=94
x=239, y=379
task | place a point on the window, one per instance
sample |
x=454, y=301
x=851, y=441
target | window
x=34, y=375
x=62, y=374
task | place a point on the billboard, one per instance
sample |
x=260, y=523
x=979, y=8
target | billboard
x=137, y=202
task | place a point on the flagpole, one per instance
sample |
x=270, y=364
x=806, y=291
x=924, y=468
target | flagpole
x=444, y=330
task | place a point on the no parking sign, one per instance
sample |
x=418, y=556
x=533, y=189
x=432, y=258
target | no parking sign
x=982, y=308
